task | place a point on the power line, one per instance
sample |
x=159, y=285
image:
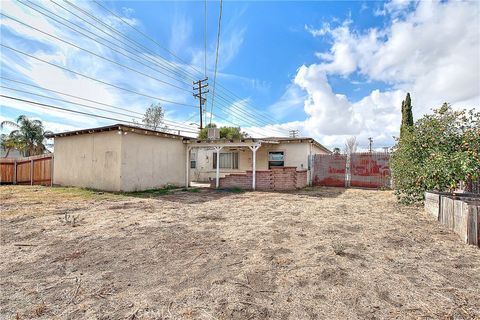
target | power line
x=95, y=54
x=170, y=52
x=259, y=122
x=77, y=26
x=97, y=80
x=145, y=35
x=216, y=59
x=72, y=111
x=69, y=95
x=233, y=107
x=110, y=28
x=205, y=36
x=173, y=123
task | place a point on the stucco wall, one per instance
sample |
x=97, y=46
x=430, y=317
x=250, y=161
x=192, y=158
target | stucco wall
x=150, y=162
x=88, y=160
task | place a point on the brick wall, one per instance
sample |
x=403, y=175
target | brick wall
x=281, y=178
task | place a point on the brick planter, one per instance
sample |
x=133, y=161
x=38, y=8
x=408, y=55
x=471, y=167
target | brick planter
x=280, y=179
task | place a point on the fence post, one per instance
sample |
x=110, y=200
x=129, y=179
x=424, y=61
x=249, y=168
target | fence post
x=14, y=180
x=31, y=172
x=51, y=170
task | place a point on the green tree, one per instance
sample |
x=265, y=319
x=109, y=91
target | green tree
x=407, y=115
x=439, y=151
x=231, y=133
x=8, y=143
x=154, y=118
x=28, y=136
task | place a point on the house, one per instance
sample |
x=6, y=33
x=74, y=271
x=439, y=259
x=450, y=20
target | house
x=118, y=158
x=14, y=153
x=127, y=158
x=273, y=153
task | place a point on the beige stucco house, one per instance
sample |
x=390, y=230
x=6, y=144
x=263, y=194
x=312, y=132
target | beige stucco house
x=287, y=152
x=127, y=158
x=119, y=158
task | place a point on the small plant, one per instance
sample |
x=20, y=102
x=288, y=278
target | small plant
x=235, y=190
x=70, y=219
x=339, y=249
x=40, y=310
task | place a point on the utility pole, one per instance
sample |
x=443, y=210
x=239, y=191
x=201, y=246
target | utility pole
x=200, y=92
x=293, y=133
x=370, y=141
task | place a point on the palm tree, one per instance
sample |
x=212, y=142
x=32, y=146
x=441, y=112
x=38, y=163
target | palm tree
x=28, y=136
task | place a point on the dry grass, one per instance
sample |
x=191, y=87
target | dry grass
x=318, y=253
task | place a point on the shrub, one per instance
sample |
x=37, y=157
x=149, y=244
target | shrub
x=440, y=150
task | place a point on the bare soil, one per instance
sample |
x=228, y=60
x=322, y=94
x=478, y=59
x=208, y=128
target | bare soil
x=322, y=253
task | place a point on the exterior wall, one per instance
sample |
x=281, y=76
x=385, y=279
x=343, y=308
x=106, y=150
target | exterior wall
x=296, y=155
x=150, y=162
x=280, y=178
x=205, y=171
x=88, y=160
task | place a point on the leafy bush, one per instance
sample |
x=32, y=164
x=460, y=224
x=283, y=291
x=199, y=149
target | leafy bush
x=438, y=152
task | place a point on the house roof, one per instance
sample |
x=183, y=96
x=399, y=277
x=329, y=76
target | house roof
x=267, y=140
x=189, y=140
x=300, y=139
x=119, y=127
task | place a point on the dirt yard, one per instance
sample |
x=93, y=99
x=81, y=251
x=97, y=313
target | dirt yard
x=324, y=253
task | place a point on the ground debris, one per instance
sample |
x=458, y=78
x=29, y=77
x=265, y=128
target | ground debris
x=313, y=254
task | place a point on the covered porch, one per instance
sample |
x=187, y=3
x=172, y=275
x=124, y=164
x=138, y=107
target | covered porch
x=273, y=175
x=217, y=145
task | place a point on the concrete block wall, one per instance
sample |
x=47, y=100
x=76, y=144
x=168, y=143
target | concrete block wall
x=280, y=179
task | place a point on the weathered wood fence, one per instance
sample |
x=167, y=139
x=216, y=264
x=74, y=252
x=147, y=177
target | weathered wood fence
x=459, y=212
x=36, y=170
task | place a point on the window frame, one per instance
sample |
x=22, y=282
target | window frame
x=235, y=160
x=276, y=163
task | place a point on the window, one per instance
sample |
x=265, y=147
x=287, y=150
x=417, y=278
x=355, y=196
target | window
x=228, y=160
x=193, y=164
x=276, y=159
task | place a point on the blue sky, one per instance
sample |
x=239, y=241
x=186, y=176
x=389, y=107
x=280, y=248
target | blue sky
x=329, y=69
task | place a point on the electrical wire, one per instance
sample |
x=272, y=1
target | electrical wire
x=216, y=60
x=169, y=122
x=95, y=54
x=174, y=55
x=97, y=80
x=73, y=111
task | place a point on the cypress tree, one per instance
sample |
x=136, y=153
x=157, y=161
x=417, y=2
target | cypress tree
x=407, y=116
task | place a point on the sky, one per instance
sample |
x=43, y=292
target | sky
x=331, y=70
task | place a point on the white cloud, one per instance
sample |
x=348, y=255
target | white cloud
x=430, y=49
x=19, y=67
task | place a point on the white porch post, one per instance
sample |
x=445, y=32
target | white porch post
x=254, y=149
x=187, y=167
x=217, y=175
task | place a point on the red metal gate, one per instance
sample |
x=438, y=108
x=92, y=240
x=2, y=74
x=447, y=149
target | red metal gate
x=370, y=170
x=367, y=170
x=329, y=170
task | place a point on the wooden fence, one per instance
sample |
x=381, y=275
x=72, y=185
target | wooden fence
x=36, y=170
x=459, y=212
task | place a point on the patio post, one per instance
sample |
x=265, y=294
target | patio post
x=254, y=149
x=217, y=175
